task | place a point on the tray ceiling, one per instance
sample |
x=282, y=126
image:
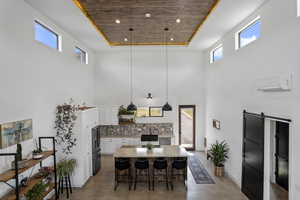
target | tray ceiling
x=103, y=14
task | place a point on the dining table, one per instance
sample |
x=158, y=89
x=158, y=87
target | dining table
x=168, y=152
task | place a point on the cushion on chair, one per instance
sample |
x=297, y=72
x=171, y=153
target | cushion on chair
x=122, y=164
x=141, y=164
x=179, y=164
x=160, y=164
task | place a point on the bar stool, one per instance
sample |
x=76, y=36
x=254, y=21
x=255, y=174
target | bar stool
x=122, y=164
x=160, y=164
x=140, y=166
x=179, y=164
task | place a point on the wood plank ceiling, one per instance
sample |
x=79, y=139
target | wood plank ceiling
x=147, y=30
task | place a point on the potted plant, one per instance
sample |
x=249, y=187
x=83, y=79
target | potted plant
x=37, y=152
x=219, y=153
x=125, y=116
x=66, y=167
x=37, y=191
x=149, y=146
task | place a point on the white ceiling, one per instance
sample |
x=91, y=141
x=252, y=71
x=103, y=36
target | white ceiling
x=227, y=15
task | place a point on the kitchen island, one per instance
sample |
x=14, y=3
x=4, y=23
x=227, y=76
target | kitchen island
x=170, y=153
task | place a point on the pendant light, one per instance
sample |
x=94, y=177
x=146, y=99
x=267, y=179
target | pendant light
x=131, y=106
x=167, y=106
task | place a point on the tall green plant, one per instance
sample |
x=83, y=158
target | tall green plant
x=219, y=153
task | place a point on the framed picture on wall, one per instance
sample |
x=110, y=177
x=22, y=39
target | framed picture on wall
x=15, y=132
x=156, y=111
x=142, y=112
x=216, y=124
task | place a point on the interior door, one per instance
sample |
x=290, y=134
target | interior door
x=187, y=126
x=253, y=156
x=282, y=155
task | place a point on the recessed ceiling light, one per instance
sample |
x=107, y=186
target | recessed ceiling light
x=147, y=15
x=125, y=39
x=178, y=20
x=172, y=39
x=118, y=21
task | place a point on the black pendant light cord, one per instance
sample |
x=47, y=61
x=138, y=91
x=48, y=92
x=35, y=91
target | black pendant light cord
x=131, y=60
x=167, y=65
x=167, y=106
x=131, y=106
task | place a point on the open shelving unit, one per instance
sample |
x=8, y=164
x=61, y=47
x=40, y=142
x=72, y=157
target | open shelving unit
x=14, y=173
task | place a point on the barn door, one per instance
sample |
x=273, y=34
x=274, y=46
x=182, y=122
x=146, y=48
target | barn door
x=253, y=156
x=282, y=154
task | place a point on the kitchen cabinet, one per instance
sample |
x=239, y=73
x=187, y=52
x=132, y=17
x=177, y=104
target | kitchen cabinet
x=110, y=145
x=106, y=145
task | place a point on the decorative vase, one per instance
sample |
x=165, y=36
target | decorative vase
x=219, y=171
x=19, y=152
x=37, y=156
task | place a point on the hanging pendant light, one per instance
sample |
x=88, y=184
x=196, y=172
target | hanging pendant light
x=167, y=106
x=131, y=106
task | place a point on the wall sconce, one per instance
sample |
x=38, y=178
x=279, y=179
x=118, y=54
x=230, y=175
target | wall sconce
x=149, y=96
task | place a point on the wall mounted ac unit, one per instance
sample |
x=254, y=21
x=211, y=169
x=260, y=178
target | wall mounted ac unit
x=276, y=84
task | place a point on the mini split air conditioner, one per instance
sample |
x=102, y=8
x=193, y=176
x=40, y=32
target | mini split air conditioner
x=276, y=84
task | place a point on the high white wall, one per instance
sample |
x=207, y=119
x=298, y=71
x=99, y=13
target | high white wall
x=232, y=83
x=35, y=78
x=186, y=83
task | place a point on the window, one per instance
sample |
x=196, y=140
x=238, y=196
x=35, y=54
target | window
x=248, y=34
x=216, y=54
x=82, y=55
x=46, y=36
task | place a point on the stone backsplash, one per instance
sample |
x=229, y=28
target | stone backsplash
x=136, y=130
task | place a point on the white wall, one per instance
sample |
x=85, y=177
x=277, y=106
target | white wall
x=186, y=82
x=35, y=78
x=232, y=83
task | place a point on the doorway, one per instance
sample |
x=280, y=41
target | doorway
x=279, y=160
x=282, y=155
x=187, y=126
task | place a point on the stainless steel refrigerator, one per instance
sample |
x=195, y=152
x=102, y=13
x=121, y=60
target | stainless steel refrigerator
x=96, y=150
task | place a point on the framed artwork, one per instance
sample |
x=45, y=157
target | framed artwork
x=156, y=112
x=216, y=124
x=15, y=132
x=142, y=112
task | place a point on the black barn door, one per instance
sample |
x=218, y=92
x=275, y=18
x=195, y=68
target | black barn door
x=282, y=154
x=253, y=156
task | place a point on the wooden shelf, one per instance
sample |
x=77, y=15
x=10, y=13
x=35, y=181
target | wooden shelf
x=10, y=174
x=24, y=190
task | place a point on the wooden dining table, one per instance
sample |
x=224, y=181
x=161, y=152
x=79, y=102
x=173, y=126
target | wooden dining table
x=169, y=152
x=165, y=151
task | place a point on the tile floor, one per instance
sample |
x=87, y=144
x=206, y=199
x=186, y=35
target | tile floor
x=100, y=187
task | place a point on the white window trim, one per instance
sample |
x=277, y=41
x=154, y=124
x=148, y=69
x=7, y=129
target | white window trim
x=86, y=56
x=298, y=8
x=237, y=34
x=211, y=60
x=59, y=37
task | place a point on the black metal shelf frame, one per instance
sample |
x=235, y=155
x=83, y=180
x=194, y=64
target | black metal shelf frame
x=17, y=187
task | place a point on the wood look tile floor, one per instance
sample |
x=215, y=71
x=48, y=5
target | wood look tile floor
x=100, y=187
